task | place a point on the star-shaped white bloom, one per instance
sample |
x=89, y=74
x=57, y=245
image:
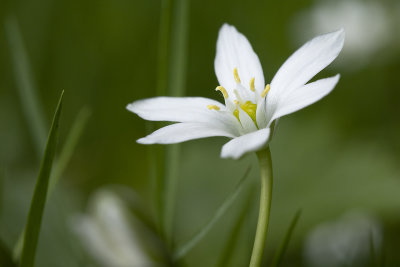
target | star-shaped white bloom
x=251, y=107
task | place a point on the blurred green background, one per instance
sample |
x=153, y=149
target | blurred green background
x=338, y=155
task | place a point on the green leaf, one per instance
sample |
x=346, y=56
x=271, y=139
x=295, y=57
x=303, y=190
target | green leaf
x=32, y=227
x=285, y=242
x=5, y=256
x=25, y=85
x=192, y=242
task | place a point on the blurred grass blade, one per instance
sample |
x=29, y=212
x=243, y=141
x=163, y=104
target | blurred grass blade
x=26, y=89
x=34, y=220
x=163, y=47
x=70, y=144
x=285, y=242
x=185, y=248
x=178, y=62
x=228, y=252
x=176, y=87
x=5, y=256
x=157, y=154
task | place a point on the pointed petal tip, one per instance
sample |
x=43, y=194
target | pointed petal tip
x=129, y=107
x=227, y=26
x=337, y=76
x=342, y=33
x=227, y=29
x=242, y=145
x=133, y=107
x=145, y=141
x=335, y=79
x=226, y=155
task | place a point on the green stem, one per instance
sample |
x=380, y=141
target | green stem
x=264, y=158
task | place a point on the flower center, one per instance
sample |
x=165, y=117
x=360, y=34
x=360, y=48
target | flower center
x=248, y=107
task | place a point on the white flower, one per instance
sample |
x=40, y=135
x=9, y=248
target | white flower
x=107, y=233
x=343, y=242
x=362, y=47
x=251, y=107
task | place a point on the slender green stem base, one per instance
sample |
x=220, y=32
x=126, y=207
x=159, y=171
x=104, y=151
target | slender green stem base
x=264, y=158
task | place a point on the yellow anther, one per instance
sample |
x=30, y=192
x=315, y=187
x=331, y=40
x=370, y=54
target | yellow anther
x=236, y=75
x=252, y=88
x=236, y=102
x=265, y=92
x=210, y=107
x=223, y=91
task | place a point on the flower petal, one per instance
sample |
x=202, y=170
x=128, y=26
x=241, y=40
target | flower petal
x=261, y=117
x=247, y=123
x=179, y=109
x=181, y=132
x=245, y=143
x=183, y=109
x=304, y=64
x=235, y=51
x=305, y=96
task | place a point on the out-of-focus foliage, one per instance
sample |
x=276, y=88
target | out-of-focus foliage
x=340, y=154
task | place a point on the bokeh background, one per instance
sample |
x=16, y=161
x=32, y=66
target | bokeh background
x=337, y=156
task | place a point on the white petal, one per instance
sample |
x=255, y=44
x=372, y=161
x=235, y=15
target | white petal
x=261, y=117
x=247, y=123
x=238, y=146
x=235, y=51
x=304, y=64
x=181, y=132
x=305, y=96
x=179, y=109
x=183, y=109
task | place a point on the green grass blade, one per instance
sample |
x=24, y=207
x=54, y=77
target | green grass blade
x=70, y=144
x=34, y=220
x=157, y=154
x=60, y=163
x=163, y=47
x=25, y=85
x=228, y=252
x=179, y=43
x=285, y=242
x=176, y=87
x=185, y=248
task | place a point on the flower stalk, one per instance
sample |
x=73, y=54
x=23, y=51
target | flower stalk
x=264, y=158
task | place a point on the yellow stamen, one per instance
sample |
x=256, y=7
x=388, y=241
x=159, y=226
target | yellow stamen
x=252, y=88
x=236, y=111
x=265, y=92
x=236, y=114
x=223, y=91
x=210, y=107
x=236, y=75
